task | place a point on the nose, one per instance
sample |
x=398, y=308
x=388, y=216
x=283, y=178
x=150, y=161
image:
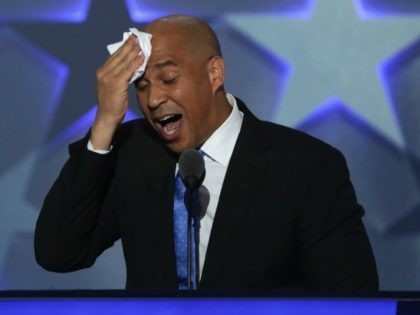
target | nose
x=157, y=97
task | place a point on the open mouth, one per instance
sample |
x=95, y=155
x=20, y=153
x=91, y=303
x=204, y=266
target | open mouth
x=170, y=123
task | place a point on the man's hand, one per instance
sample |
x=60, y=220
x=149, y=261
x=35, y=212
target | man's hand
x=112, y=80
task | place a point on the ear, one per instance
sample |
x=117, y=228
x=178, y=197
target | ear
x=216, y=70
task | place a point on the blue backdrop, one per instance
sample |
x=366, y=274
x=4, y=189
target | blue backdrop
x=346, y=71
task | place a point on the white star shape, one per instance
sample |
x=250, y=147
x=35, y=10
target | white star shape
x=333, y=54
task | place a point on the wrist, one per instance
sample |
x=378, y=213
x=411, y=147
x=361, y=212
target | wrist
x=102, y=133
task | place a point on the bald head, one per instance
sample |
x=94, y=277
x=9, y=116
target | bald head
x=192, y=33
x=183, y=80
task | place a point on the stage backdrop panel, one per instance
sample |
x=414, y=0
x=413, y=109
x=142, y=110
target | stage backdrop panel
x=345, y=71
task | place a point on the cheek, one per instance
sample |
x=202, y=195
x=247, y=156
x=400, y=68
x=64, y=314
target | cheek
x=141, y=101
x=139, y=98
x=178, y=94
x=143, y=110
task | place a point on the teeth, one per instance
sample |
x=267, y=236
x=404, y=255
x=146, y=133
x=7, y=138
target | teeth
x=166, y=118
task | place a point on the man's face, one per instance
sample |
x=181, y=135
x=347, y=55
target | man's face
x=175, y=94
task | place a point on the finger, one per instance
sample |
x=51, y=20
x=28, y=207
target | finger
x=125, y=63
x=115, y=68
x=128, y=70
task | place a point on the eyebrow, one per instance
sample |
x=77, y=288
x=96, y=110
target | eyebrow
x=167, y=63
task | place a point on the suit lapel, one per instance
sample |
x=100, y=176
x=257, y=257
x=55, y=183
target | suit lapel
x=161, y=177
x=164, y=190
x=245, y=171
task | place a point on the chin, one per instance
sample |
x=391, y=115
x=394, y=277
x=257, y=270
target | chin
x=176, y=148
x=180, y=147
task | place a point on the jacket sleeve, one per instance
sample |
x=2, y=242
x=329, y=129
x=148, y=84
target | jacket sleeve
x=73, y=227
x=333, y=244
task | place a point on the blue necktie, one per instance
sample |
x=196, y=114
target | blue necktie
x=181, y=236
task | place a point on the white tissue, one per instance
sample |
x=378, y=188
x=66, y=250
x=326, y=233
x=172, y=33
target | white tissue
x=145, y=44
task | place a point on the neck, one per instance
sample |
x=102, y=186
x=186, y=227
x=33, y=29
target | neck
x=221, y=113
x=224, y=106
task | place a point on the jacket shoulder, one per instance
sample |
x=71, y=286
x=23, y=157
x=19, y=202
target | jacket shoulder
x=294, y=141
x=279, y=137
x=127, y=129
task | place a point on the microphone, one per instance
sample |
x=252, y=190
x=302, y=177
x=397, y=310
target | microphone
x=191, y=168
x=192, y=171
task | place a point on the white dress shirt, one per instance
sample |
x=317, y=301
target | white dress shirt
x=217, y=150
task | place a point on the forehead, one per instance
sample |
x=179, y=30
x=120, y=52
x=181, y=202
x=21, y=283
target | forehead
x=167, y=47
x=169, y=52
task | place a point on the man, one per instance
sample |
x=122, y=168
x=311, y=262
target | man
x=282, y=212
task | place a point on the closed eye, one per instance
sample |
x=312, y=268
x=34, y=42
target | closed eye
x=142, y=84
x=169, y=81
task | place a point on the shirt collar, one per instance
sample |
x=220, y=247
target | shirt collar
x=219, y=147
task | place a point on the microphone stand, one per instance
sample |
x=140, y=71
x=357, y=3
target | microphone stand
x=189, y=200
x=192, y=169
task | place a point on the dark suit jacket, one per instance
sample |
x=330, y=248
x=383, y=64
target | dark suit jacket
x=287, y=215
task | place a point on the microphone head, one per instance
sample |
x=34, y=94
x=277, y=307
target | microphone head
x=191, y=168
